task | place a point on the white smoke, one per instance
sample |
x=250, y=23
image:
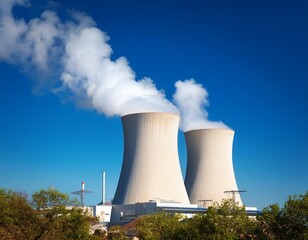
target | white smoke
x=11, y=30
x=78, y=54
x=191, y=99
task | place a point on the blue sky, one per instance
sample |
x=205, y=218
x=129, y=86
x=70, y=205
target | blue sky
x=251, y=56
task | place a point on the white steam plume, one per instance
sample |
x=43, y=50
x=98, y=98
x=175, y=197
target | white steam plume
x=78, y=54
x=191, y=99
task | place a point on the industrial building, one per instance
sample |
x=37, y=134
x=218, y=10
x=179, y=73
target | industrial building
x=151, y=178
x=123, y=214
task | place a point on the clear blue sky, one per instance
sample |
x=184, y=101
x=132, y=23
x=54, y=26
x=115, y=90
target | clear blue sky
x=252, y=57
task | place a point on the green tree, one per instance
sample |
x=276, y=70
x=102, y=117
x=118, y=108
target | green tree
x=17, y=218
x=160, y=226
x=223, y=221
x=46, y=216
x=59, y=218
x=269, y=223
x=295, y=217
x=289, y=222
x=51, y=198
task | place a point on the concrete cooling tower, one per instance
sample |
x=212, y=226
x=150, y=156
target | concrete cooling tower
x=209, y=172
x=151, y=168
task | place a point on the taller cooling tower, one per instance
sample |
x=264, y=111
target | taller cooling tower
x=209, y=174
x=151, y=168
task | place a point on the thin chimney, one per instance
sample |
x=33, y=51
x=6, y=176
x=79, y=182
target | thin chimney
x=104, y=188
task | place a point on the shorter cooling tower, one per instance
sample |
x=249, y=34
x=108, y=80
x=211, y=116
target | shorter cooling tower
x=209, y=174
x=151, y=168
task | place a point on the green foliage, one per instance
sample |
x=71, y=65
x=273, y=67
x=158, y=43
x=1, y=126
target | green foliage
x=17, y=218
x=116, y=233
x=295, y=217
x=49, y=198
x=290, y=222
x=224, y=221
x=229, y=221
x=159, y=226
x=268, y=222
x=45, y=217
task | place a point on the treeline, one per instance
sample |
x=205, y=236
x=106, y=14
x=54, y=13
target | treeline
x=45, y=216
x=225, y=221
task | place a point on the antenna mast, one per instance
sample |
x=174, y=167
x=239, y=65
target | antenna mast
x=81, y=193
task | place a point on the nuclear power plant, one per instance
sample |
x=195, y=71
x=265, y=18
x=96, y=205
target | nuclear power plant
x=209, y=175
x=151, y=178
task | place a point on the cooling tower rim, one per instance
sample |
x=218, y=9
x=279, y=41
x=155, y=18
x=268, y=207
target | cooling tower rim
x=149, y=113
x=209, y=130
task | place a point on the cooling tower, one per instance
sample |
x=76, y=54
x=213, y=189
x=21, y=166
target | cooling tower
x=209, y=170
x=151, y=168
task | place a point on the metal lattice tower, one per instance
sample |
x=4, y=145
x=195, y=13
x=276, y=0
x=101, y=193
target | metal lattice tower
x=81, y=193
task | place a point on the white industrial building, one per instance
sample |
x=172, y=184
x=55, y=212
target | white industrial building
x=102, y=212
x=124, y=213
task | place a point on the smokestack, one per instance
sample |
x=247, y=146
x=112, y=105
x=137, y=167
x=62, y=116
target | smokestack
x=151, y=168
x=104, y=188
x=209, y=172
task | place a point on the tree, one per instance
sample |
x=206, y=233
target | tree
x=269, y=223
x=295, y=217
x=289, y=222
x=159, y=226
x=59, y=218
x=51, y=198
x=223, y=221
x=17, y=218
x=47, y=216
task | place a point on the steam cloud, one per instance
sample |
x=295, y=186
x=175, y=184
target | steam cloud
x=77, y=53
x=191, y=99
x=78, y=56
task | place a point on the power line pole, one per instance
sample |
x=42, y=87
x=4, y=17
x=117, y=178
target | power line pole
x=81, y=193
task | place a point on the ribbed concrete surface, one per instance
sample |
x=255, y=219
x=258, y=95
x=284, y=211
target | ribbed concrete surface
x=209, y=165
x=151, y=168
